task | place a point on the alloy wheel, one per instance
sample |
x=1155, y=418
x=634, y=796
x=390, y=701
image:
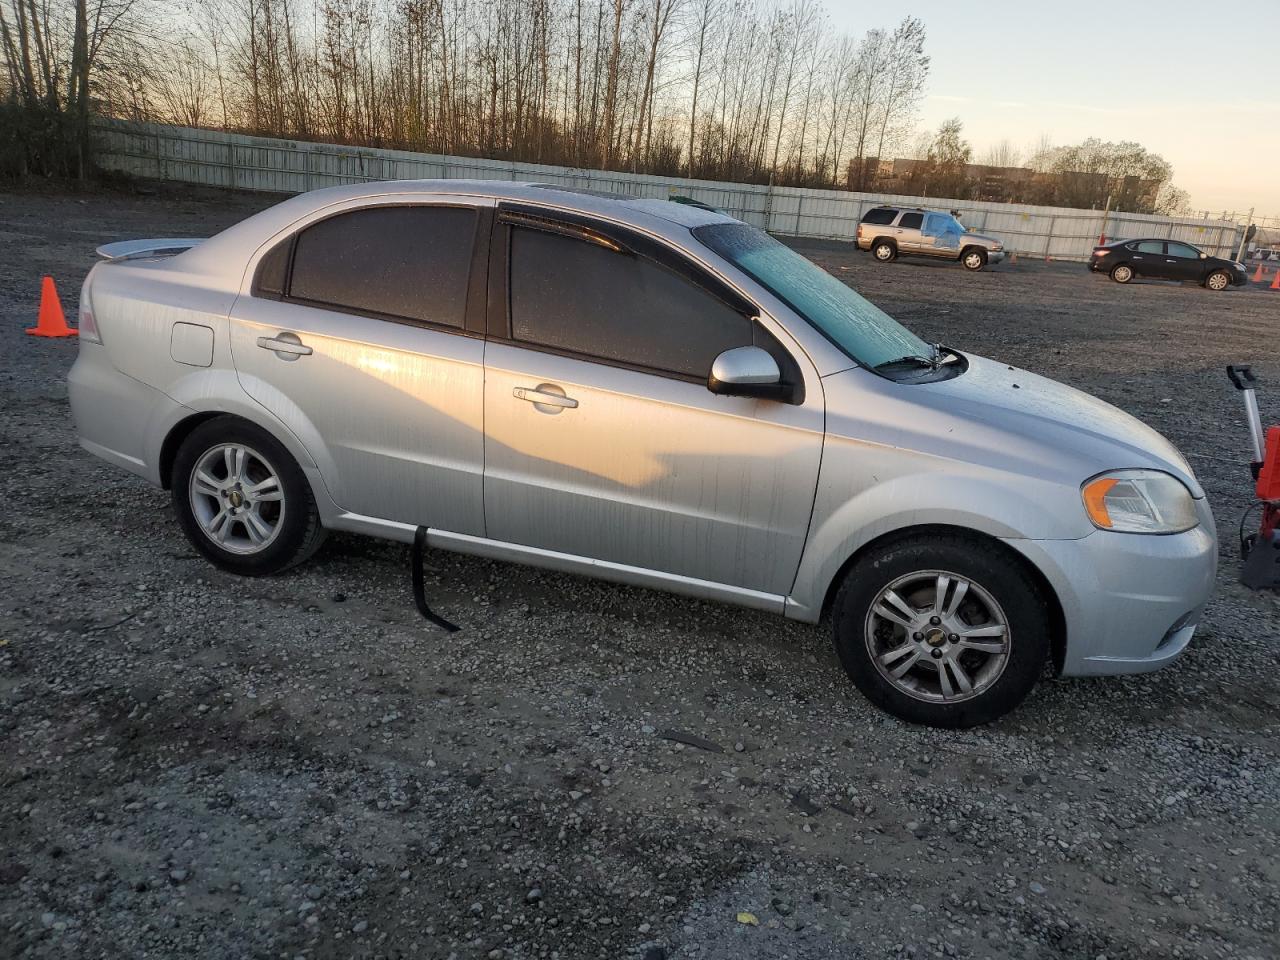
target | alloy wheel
x=937, y=636
x=1218, y=281
x=237, y=498
x=973, y=260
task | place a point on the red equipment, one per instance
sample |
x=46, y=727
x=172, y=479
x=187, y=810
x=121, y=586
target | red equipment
x=1261, y=550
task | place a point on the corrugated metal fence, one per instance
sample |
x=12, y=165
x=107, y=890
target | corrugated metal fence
x=287, y=166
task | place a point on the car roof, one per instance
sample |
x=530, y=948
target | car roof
x=1126, y=240
x=903, y=209
x=659, y=216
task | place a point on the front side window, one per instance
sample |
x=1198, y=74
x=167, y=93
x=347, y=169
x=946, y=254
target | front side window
x=911, y=221
x=578, y=296
x=862, y=330
x=1183, y=250
x=405, y=263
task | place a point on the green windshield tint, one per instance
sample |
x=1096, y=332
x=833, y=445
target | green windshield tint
x=862, y=330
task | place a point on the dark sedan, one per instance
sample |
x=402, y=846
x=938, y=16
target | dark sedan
x=1123, y=260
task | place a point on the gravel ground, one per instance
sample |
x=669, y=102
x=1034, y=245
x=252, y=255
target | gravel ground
x=198, y=765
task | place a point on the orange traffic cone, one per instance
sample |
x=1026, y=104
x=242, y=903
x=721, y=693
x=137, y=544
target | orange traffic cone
x=1259, y=274
x=1275, y=284
x=51, y=322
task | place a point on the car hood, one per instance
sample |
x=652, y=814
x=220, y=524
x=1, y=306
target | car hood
x=981, y=237
x=1004, y=417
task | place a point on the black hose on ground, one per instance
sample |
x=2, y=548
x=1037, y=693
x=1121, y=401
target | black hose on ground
x=419, y=584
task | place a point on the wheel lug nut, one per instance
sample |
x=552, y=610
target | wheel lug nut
x=917, y=636
x=937, y=654
x=954, y=637
x=935, y=620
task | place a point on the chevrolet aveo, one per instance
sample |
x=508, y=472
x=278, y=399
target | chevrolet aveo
x=651, y=393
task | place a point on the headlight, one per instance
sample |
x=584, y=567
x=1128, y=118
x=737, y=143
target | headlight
x=1139, y=501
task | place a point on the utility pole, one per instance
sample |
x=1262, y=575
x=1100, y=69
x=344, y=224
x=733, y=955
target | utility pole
x=1244, y=235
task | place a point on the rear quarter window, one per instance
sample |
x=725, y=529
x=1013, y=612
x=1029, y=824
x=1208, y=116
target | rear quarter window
x=880, y=217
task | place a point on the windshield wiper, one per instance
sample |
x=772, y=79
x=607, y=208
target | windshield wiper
x=942, y=357
x=912, y=359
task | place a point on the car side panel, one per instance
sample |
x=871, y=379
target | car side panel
x=886, y=481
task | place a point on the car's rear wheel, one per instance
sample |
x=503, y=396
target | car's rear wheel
x=1218, y=280
x=242, y=500
x=884, y=251
x=942, y=630
x=974, y=258
x=1122, y=273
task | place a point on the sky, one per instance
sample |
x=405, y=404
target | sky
x=1199, y=88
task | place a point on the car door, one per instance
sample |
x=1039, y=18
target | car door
x=908, y=232
x=602, y=439
x=941, y=235
x=1184, y=262
x=1148, y=259
x=356, y=334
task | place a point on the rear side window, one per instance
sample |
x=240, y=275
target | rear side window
x=1150, y=246
x=573, y=295
x=409, y=263
x=880, y=217
x=911, y=221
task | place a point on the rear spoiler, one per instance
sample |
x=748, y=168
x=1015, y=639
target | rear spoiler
x=140, y=249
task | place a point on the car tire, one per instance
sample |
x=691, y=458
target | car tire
x=973, y=258
x=884, y=250
x=1218, y=281
x=999, y=606
x=1122, y=273
x=242, y=500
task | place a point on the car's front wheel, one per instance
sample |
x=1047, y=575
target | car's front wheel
x=1218, y=280
x=242, y=500
x=884, y=251
x=974, y=259
x=944, y=630
x=1122, y=273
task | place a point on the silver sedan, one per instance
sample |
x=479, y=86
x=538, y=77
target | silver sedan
x=651, y=393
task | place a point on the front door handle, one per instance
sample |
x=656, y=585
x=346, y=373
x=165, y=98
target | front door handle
x=544, y=397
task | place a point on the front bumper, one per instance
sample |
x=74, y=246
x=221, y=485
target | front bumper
x=995, y=256
x=1131, y=602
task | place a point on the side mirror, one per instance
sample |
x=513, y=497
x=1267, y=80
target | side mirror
x=748, y=372
x=1204, y=256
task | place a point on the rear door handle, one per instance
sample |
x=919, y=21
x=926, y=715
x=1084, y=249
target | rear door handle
x=541, y=396
x=287, y=346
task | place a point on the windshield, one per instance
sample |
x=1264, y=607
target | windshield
x=859, y=328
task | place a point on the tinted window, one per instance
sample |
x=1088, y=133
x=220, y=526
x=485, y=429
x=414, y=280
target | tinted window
x=859, y=328
x=1150, y=246
x=404, y=262
x=269, y=280
x=911, y=221
x=575, y=295
x=880, y=216
x=1182, y=250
